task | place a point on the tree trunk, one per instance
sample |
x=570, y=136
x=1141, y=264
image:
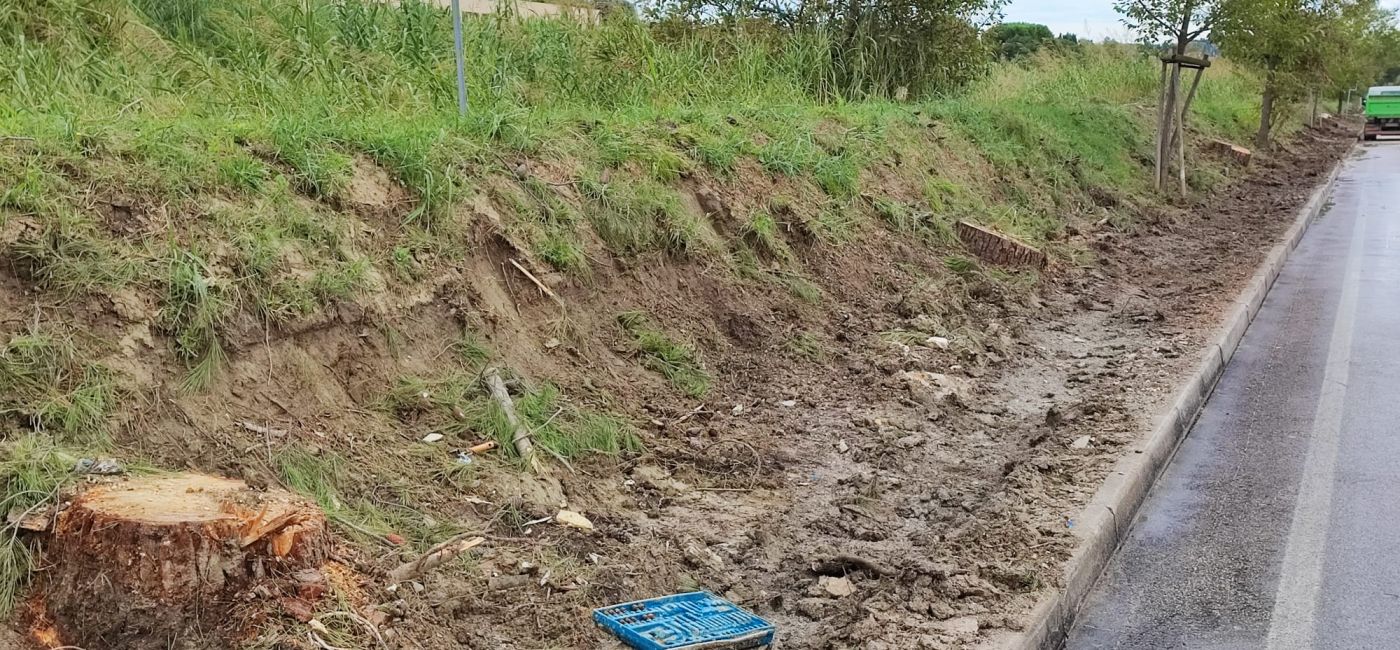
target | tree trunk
x=1266, y=110
x=170, y=561
x=1158, y=161
x=1168, y=127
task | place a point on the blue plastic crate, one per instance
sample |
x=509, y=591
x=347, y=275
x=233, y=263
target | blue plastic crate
x=691, y=621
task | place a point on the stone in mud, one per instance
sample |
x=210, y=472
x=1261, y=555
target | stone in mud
x=961, y=626
x=656, y=478
x=838, y=587
x=932, y=388
x=814, y=608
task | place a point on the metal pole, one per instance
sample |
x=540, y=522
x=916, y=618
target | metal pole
x=461, y=57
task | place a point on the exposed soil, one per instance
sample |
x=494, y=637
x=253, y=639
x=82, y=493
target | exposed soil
x=848, y=477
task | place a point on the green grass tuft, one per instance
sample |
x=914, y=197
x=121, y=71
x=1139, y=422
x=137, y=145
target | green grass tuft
x=193, y=313
x=32, y=470
x=45, y=386
x=679, y=363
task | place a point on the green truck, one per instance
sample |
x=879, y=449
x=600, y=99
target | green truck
x=1382, y=111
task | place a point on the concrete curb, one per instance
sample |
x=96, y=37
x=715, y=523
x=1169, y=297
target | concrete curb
x=1106, y=520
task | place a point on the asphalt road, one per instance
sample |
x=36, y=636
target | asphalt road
x=1277, y=524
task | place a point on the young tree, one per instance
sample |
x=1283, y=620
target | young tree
x=1303, y=46
x=1180, y=22
x=1276, y=36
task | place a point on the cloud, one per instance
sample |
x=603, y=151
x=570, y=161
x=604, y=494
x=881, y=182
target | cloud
x=1093, y=19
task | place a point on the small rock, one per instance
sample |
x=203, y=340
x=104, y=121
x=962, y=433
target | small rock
x=813, y=608
x=432, y=437
x=960, y=626
x=838, y=587
x=656, y=478
x=931, y=387
x=937, y=342
x=842, y=447
x=100, y=466
x=505, y=583
x=910, y=441
x=788, y=403
x=573, y=520
x=1082, y=442
x=298, y=609
x=738, y=408
x=551, y=344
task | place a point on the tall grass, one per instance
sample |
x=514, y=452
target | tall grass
x=244, y=121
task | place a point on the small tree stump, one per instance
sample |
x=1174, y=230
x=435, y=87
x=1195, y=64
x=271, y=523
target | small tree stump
x=161, y=562
x=1239, y=155
x=997, y=248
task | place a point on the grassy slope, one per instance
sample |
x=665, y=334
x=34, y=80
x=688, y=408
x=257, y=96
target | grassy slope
x=206, y=155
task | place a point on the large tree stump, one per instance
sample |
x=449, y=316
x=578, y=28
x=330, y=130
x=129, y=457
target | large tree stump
x=998, y=248
x=169, y=562
x=1239, y=155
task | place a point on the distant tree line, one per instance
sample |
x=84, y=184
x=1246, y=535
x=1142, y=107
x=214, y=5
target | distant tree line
x=886, y=48
x=1012, y=41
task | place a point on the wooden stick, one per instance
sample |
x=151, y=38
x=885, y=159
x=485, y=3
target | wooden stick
x=521, y=433
x=1161, y=129
x=1181, y=128
x=435, y=557
x=547, y=291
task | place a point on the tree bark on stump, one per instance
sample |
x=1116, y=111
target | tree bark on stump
x=169, y=562
x=999, y=249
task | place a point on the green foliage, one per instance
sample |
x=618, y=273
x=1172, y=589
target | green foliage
x=193, y=313
x=805, y=345
x=1019, y=40
x=457, y=405
x=762, y=232
x=636, y=216
x=678, y=362
x=559, y=427
x=48, y=388
x=1177, y=21
x=856, y=50
x=32, y=469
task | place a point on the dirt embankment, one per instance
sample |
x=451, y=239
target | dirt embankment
x=896, y=466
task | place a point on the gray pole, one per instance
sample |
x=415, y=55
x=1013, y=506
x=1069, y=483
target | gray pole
x=461, y=57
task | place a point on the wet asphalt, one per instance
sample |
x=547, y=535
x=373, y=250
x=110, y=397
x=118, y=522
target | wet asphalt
x=1277, y=524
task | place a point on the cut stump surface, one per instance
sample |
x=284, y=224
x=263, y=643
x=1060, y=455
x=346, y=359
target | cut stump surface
x=139, y=563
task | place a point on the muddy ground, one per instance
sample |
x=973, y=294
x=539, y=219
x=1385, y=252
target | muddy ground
x=857, y=507
x=897, y=466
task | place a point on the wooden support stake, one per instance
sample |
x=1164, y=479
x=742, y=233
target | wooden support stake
x=1179, y=135
x=1157, y=160
x=521, y=436
x=435, y=557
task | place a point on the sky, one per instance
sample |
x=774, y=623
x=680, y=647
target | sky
x=1094, y=19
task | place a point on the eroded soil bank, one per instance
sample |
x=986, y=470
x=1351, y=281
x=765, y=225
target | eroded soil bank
x=895, y=466
x=897, y=494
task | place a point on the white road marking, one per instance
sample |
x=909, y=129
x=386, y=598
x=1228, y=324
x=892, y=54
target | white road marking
x=1293, y=624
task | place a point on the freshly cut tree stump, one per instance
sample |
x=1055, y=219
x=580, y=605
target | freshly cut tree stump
x=170, y=561
x=997, y=248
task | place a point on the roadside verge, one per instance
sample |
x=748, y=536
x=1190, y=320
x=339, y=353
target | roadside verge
x=1105, y=521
